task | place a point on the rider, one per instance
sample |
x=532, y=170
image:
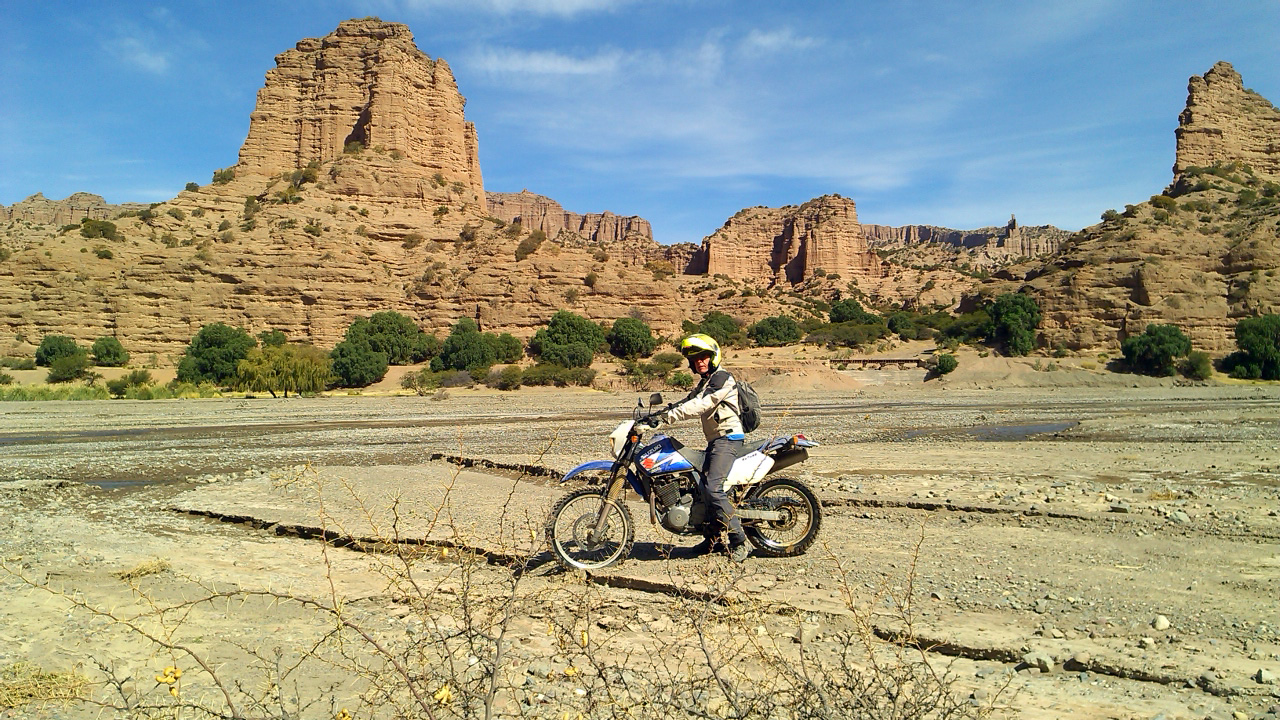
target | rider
x=715, y=401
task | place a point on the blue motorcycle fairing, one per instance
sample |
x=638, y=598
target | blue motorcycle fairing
x=604, y=465
x=662, y=455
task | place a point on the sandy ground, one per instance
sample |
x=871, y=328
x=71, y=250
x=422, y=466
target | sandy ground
x=1072, y=543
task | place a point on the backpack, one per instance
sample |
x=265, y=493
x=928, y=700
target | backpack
x=748, y=406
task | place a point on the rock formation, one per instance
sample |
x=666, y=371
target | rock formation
x=1224, y=122
x=986, y=247
x=791, y=244
x=366, y=83
x=537, y=212
x=40, y=210
x=1201, y=256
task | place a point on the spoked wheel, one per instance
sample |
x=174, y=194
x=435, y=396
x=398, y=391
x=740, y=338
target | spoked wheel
x=570, y=531
x=801, y=517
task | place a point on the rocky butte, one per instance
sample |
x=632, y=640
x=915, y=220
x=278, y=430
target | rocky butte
x=1201, y=255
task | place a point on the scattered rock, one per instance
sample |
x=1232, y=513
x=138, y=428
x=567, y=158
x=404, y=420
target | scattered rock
x=1160, y=623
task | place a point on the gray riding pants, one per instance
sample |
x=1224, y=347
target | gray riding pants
x=721, y=453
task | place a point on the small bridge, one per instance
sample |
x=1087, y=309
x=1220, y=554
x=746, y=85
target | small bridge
x=876, y=363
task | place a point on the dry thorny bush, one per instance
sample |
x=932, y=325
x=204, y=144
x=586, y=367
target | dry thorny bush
x=489, y=627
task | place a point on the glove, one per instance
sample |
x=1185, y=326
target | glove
x=653, y=421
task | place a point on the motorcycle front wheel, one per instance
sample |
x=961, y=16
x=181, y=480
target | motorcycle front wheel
x=801, y=517
x=569, y=531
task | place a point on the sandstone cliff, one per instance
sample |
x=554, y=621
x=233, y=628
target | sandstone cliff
x=984, y=247
x=366, y=83
x=40, y=210
x=792, y=244
x=537, y=212
x=1224, y=122
x=1201, y=255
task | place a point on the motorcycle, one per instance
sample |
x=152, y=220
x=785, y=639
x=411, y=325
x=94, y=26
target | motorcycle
x=591, y=528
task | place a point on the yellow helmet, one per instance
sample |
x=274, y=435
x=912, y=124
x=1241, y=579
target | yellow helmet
x=701, y=344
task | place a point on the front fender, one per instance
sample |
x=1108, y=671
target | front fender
x=587, y=467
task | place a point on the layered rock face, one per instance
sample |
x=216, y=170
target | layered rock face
x=988, y=246
x=787, y=245
x=1224, y=122
x=1201, y=256
x=538, y=212
x=40, y=210
x=368, y=83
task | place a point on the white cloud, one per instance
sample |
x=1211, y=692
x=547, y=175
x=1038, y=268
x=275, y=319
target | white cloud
x=513, y=61
x=781, y=40
x=134, y=51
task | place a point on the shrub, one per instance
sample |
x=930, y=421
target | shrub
x=508, y=378
x=411, y=241
x=1153, y=352
x=103, y=253
x=507, y=348
x=682, y=380
x=53, y=347
x=591, y=279
x=465, y=349
x=224, y=176
x=213, y=354
x=1014, y=318
x=108, y=352
x=946, y=363
x=356, y=364
x=5, y=378
x=529, y=245
x=176, y=214
x=1164, y=202
x=104, y=229
x=630, y=338
x=192, y=187
x=272, y=338
x=121, y=385
x=1197, y=366
x=353, y=147
x=850, y=310
x=1259, y=354
x=774, y=331
x=726, y=330
x=570, y=355
x=66, y=368
x=560, y=376
x=848, y=334
x=16, y=363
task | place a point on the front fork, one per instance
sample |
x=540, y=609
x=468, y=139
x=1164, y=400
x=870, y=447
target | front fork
x=613, y=491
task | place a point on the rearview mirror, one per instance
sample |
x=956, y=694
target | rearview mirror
x=655, y=399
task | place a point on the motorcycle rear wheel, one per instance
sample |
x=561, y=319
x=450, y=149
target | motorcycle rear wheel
x=797, y=530
x=571, y=522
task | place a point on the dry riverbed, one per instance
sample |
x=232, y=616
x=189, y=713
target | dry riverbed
x=1086, y=552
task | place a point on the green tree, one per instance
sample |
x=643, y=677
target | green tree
x=394, y=335
x=565, y=329
x=355, y=364
x=946, y=363
x=1259, y=355
x=53, y=347
x=66, y=368
x=507, y=348
x=466, y=348
x=1014, y=319
x=775, y=331
x=99, y=229
x=850, y=310
x=213, y=354
x=1155, y=350
x=630, y=338
x=272, y=338
x=726, y=330
x=284, y=368
x=108, y=352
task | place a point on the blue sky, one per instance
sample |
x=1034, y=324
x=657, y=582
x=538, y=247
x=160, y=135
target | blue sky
x=681, y=111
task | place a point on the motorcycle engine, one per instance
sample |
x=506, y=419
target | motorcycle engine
x=678, y=508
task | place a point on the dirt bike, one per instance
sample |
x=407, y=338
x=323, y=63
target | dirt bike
x=591, y=528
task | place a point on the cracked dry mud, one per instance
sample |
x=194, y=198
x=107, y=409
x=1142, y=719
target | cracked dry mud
x=1095, y=552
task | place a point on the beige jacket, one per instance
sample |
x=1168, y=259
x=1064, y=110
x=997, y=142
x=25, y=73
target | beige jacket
x=715, y=402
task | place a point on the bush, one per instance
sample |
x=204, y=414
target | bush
x=1259, y=354
x=946, y=363
x=570, y=355
x=192, y=187
x=356, y=364
x=1014, y=318
x=1153, y=352
x=16, y=363
x=591, y=279
x=104, y=229
x=848, y=334
x=630, y=338
x=724, y=329
x=5, y=378
x=53, y=347
x=507, y=348
x=774, y=331
x=530, y=244
x=558, y=375
x=1197, y=366
x=224, y=176
x=682, y=380
x=213, y=354
x=108, y=352
x=508, y=378
x=66, y=368
x=850, y=310
x=103, y=253
x=120, y=386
